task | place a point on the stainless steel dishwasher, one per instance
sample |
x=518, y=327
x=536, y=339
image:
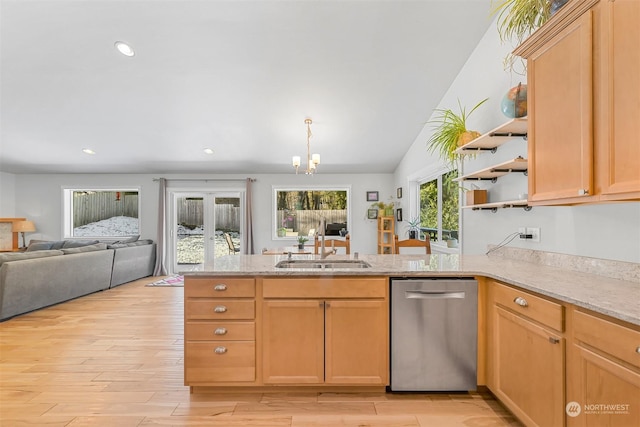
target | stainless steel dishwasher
x=434, y=334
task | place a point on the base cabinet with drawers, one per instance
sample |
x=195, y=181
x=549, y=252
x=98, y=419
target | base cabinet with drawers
x=330, y=331
x=219, y=331
x=526, y=354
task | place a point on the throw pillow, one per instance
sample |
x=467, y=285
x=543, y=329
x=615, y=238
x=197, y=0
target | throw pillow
x=78, y=243
x=39, y=246
x=86, y=248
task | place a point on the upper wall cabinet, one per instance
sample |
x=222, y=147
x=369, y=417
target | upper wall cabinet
x=583, y=71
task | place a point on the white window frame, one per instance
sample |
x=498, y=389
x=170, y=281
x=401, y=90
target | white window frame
x=67, y=210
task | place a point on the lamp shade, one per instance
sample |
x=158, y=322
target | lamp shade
x=23, y=226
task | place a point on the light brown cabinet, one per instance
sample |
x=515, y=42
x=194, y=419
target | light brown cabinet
x=604, y=369
x=583, y=72
x=325, y=331
x=526, y=354
x=219, y=329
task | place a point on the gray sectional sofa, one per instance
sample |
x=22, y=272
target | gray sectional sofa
x=53, y=272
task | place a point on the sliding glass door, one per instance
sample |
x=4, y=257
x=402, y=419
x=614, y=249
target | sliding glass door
x=205, y=226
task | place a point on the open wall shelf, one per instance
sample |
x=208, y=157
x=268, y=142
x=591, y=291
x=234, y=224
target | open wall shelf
x=491, y=140
x=500, y=205
x=492, y=173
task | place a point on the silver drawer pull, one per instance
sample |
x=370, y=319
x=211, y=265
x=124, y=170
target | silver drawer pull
x=220, y=287
x=220, y=331
x=220, y=350
x=554, y=340
x=220, y=309
x=638, y=350
x=583, y=192
x=521, y=302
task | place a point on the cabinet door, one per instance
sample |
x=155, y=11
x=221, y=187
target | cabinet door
x=598, y=380
x=356, y=342
x=528, y=369
x=293, y=341
x=619, y=107
x=560, y=140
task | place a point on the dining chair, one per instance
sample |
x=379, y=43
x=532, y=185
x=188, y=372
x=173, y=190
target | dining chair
x=413, y=243
x=232, y=247
x=332, y=243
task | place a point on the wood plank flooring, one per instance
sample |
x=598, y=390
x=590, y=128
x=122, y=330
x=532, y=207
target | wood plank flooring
x=115, y=358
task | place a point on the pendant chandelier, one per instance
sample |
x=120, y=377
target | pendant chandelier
x=312, y=160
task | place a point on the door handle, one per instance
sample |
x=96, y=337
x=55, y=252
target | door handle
x=434, y=295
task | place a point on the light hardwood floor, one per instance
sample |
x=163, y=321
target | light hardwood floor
x=115, y=358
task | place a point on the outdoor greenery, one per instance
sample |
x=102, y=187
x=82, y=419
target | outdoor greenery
x=429, y=203
x=310, y=200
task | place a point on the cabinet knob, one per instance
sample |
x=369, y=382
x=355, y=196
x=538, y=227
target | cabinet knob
x=220, y=287
x=220, y=350
x=521, y=301
x=220, y=331
x=638, y=350
x=554, y=340
x=583, y=192
x=220, y=309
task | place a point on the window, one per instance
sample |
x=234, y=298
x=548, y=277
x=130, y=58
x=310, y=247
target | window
x=298, y=211
x=439, y=206
x=92, y=213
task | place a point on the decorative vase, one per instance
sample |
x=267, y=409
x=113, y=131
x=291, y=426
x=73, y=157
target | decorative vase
x=412, y=234
x=467, y=137
x=556, y=5
x=388, y=212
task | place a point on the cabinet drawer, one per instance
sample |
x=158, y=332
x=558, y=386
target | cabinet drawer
x=220, y=331
x=220, y=309
x=220, y=361
x=609, y=337
x=539, y=309
x=219, y=287
x=325, y=287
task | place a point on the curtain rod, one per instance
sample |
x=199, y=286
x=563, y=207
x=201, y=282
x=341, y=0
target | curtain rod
x=208, y=179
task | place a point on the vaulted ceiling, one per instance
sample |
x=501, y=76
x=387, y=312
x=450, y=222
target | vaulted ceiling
x=238, y=77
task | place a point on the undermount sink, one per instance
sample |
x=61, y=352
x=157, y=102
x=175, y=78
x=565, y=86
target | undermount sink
x=323, y=263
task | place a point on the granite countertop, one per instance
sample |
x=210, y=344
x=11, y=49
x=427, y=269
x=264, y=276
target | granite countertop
x=609, y=296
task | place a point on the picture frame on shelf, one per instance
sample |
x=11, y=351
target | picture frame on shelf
x=372, y=196
x=399, y=214
x=399, y=193
x=372, y=213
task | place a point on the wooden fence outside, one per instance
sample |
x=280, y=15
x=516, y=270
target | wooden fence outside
x=303, y=221
x=191, y=213
x=95, y=206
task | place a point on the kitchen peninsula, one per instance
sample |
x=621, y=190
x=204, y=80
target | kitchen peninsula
x=250, y=324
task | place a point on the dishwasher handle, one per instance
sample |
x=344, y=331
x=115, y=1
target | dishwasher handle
x=434, y=294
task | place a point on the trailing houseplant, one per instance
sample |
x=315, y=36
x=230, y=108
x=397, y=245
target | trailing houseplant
x=450, y=131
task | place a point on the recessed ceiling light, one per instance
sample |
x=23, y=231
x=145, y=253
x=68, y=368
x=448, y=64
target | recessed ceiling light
x=208, y=151
x=124, y=48
x=88, y=151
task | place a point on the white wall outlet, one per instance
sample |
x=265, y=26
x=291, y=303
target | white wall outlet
x=535, y=233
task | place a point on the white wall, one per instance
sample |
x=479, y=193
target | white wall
x=39, y=198
x=610, y=231
x=7, y=195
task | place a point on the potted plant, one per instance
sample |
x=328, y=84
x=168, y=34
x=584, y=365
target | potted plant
x=386, y=209
x=301, y=241
x=517, y=19
x=413, y=228
x=450, y=131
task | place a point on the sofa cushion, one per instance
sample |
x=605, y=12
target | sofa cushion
x=18, y=256
x=87, y=248
x=118, y=245
x=39, y=246
x=78, y=243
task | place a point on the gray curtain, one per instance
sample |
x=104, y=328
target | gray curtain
x=247, y=237
x=160, y=269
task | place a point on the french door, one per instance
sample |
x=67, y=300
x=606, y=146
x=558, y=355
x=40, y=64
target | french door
x=204, y=226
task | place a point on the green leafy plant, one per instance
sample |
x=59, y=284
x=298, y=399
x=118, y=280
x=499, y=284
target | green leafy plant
x=519, y=18
x=302, y=240
x=413, y=227
x=450, y=131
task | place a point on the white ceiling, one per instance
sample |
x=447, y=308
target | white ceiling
x=236, y=76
